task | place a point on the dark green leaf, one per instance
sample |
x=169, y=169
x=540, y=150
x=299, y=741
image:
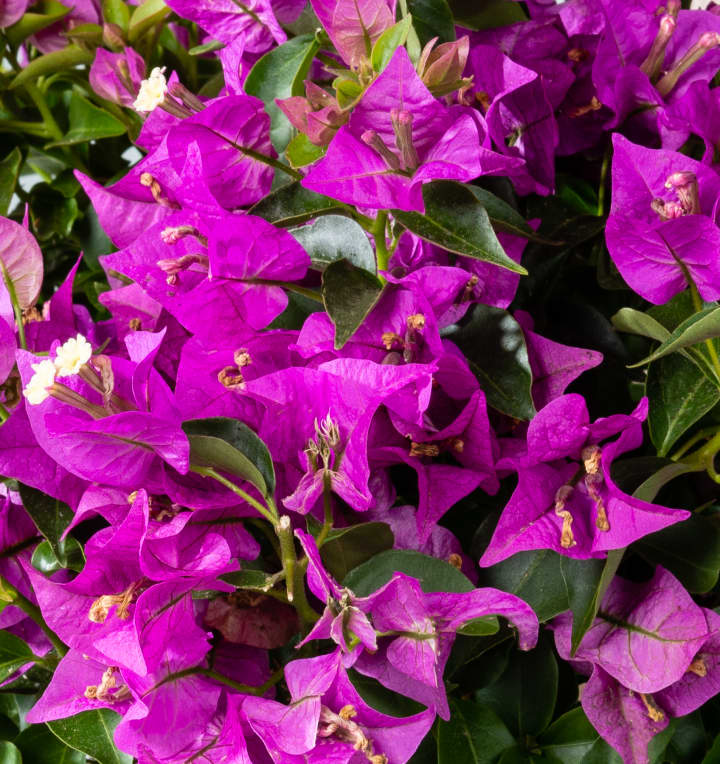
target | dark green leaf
x=293, y=205
x=50, y=516
x=690, y=550
x=52, y=214
x=39, y=746
x=433, y=574
x=432, y=18
x=570, y=737
x=474, y=734
x=455, y=220
x=388, y=42
x=535, y=577
x=505, y=217
x=9, y=754
x=301, y=152
x=679, y=395
x=349, y=294
x=13, y=654
x=637, y=322
x=699, y=327
x=713, y=755
x=51, y=63
x=30, y=23
x=145, y=16
x=675, y=311
x=208, y=47
x=280, y=74
x=524, y=696
x=9, y=172
x=333, y=238
x=92, y=733
x=231, y=446
x=382, y=699
x=256, y=580
x=586, y=582
x=494, y=344
x=89, y=122
x=346, y=548
x=69, y=555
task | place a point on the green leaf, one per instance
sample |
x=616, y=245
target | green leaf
x=679, y=395
x=116, y=12
x=335, y=237
x=349, y=294
x=713, y=755
x=292, y=205
x=699, y=327
x=455, y=220
x=524, y=696
x=13, y=654
x=31, y=23
x=9, y=754
x=70, y=556
x=648, y=490
x=586, y=582
x=474, y=734
x=347, y=91
x=257, y=580
x=535, y=577
x=494, y=345
x=51, y=516
x=301, y=152
x=505, y=217
x=570, y=737
x=433, y=574
x=51, y=63
x=92, y=733
x=280, y=74
x=145, y=16
x=208, y=47
x=346, y=548
x=231, y=446
x=9, y=172
x=380, y=698
x=52, y=213
x=432, y=18
x=88, y=123
x=690, y=550
x=637, y=322
x=388, y=42
x=39, y=746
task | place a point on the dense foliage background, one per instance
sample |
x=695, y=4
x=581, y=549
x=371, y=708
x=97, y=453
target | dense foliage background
x=360, y=381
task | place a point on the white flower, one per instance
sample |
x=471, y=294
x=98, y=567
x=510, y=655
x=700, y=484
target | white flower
x=72, y=355
x=152, y=91
x=37, y=388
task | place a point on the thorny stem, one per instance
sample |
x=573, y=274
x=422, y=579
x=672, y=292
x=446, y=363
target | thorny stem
x=11, y=595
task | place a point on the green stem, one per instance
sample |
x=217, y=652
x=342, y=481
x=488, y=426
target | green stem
x=698, y=305
x=210, y=472
x=17, y=310
x=311, y=294
x=703, y=434
x=38, y=99
x=704, y=457
x=33, y=612
x=381, y=251
x=327, y=509
x=294, y=573
x=603, y=176
x=18, y=126
x=4, y=414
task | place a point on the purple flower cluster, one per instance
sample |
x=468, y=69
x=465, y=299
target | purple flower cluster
x=211, y=456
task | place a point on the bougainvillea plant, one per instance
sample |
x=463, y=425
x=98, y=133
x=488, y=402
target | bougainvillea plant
x=359, y=382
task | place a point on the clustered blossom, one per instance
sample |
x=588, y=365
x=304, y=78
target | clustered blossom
x=212, y=549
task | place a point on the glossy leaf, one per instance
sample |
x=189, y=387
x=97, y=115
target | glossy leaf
x=280, y=74
x=301, y=152
x=31, y=23
x=494, y=344
x=69, y=555
x=455, y=220
x=569, y=738
x=432, y=18
x=388, y=42
x=116, y=12
x=92, y=733
x=51, y=516
x=293, y=204
x=52, y=63
x=13, y=654
x=474, y=734
x=335, y=237
x=231, y=446
x=679, y=394
x=9, y=754
x=89, y=123
x=39, y=746
x=145, y=16
x=349, y=294
x=504, y=217
x=9, y=172
x=346, y=548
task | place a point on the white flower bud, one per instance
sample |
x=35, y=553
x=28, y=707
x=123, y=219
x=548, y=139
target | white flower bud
x=72, y=355
x=152, y=91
